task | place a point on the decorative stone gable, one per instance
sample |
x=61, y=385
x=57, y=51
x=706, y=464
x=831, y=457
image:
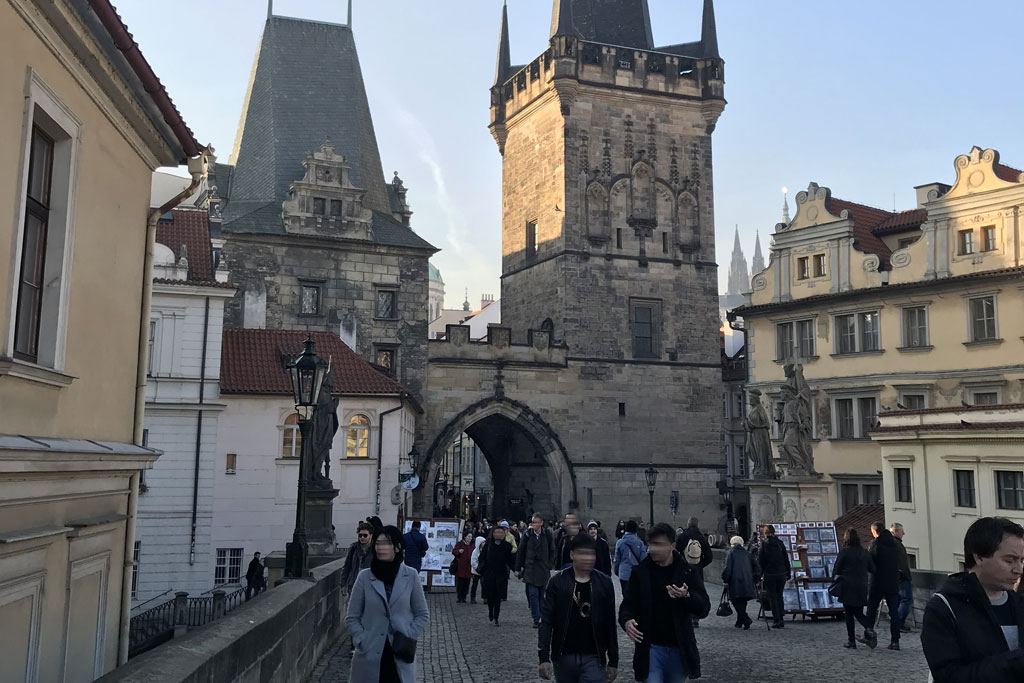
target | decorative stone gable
x=812, y=209
x=324, y=201
x=980, y=171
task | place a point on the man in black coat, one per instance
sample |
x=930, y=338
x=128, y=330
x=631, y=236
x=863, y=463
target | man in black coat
x=534, y=562
x=776, y=570
x=973, y=627
x=254, y=577
x=692, y=532
x=665, y=595
x=885, y=584
x=577, y=640
x=359, y=556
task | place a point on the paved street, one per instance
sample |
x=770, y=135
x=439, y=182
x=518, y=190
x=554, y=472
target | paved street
x=460, y=646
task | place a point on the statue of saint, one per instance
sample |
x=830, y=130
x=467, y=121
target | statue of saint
x=796, y=423
x=325, y=426
x=759, y=443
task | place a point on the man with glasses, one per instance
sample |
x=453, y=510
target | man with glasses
x=358, y=558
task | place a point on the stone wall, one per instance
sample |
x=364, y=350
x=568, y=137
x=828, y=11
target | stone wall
x=276, y=639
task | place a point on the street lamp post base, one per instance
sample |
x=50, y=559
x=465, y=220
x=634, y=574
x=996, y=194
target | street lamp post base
x=296, y=563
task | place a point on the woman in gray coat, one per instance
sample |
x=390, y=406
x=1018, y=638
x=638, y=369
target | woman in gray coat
x=387, y=599
x=740, y=576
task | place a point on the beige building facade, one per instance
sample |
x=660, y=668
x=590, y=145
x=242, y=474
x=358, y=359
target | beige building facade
x=86, y=125
x=920, y=309
x=945, y=468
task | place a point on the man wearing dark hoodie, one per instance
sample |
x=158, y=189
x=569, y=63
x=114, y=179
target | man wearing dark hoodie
x=974, y=626
x=885, y=584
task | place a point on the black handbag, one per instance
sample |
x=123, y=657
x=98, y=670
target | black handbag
x=724, y=608
x=453, y=567
x=404, y=647
x=835, y=589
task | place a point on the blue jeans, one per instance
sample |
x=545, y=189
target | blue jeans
x=906, y=601
x=579, y=669
x=666, y=665
x=534, y=594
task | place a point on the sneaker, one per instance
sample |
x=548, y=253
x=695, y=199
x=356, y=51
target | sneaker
x=894, y=646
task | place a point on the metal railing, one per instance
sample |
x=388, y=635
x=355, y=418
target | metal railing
x=179, y=614
x=200, y=611
x=151, y=628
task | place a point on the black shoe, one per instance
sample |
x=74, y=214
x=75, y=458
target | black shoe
x=738, y=625
x=906, y=629
x=779, y=624
x=696, y=624
x=870, y=638
x=851, y=645
x=894, y=646
x=496, y=623
x=536, y=624
x=746, y=626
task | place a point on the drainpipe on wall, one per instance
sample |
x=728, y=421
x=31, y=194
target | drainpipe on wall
x=380, y=446
x=197, y=169
x=199, y=434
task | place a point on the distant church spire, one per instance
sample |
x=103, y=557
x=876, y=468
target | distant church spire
x=465, y=304
x=502, y=72
x=757, y=265
x=739, y=278
x=785, y=207
x=709, y=32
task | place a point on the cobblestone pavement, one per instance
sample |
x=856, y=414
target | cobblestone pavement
x=460, y=646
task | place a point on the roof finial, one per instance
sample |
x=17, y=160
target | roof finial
x=350, y=13
x=785, y=206
x=504, y=68
x=709, y=32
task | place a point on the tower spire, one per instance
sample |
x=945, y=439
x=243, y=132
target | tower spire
x=739, y=279
x=785, y=206
x=757, y=264
x=709, y=32
x=501, y=73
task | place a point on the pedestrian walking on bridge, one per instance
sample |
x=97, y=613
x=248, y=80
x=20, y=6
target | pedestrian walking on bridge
x=496, y=559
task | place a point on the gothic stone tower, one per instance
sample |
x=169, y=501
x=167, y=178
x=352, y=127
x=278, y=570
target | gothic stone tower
x=608, y=238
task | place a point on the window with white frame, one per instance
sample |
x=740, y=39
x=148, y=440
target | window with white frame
x=291, y=437
x=738, y=404
x=228, y=569
x=819, y=265
x=915, y=326
x=913, y=400
x=965, y=242
x=857, y=332
x=854, y=417
x=741, y=461
x=794, y=337
x=152, y=346
x=988, y=235
x=985, y=397
x=135, y=569
x=39, y=305
x=982, y=312
x=854, y=493
x=803, y=268
x=963, y=482
x=357, y=437
x=1010, y=490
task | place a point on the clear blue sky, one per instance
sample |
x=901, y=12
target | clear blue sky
x=869, y=98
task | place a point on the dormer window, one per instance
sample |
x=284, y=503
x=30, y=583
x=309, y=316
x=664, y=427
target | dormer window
x=319, y=206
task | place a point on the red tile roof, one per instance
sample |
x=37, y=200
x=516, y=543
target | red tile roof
x=897, y=222
x=193, y=283
x=860, y=518
x=864, y=219
x=1008, y=173
x=963, y=425
x=189, y=227
x=253, y=362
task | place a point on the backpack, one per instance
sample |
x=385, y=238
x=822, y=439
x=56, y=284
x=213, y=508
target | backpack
x=694, y=551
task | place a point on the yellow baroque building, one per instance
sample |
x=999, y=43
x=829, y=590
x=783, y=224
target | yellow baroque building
x=887, y=311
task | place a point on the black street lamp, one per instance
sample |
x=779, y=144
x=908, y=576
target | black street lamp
x=652, y=480
x=307, y=374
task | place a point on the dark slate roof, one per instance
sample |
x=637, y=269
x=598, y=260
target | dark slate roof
x=221, y=177
x=612, y=22
x=253, y=362
x=189, y=227
x=307, y=85
x=387, y=230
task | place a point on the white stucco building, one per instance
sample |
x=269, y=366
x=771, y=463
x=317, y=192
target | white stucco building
x=258, y=445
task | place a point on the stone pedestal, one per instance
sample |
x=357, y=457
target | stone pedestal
x=319, y=520
x=790, y=499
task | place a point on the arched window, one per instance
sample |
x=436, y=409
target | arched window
x=291, y=439
x=357, y=437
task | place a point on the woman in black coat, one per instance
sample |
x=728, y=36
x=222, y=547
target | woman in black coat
x=851, y=570
x=496, y=559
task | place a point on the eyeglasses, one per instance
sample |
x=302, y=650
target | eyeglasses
x=364, y=535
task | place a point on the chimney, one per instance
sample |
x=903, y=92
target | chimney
x=486, y=300
x=930, y=192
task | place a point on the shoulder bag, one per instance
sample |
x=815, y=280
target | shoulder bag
x=404, y=647
x=724, y=608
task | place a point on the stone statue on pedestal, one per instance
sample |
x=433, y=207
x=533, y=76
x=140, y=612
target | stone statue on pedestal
x=795, y=448
x=325, y=426
x=759, y=444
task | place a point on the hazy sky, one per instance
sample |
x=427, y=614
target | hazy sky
x=867, y=97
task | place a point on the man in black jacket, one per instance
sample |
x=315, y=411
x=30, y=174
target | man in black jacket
x=974, y=626
x=885, y=583
x=665, y=595
x=577, y=639
x=358, y=558
x=534, y=561
x=776, y=570
x=693, y=533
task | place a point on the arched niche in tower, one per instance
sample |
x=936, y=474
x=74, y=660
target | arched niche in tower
x=665, y=210
x=643, y=191
x=689, y=226
x=618, y=215
x=597, y=211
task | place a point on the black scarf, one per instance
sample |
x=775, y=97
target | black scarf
x=385, y=572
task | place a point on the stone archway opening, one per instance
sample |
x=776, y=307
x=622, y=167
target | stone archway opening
x=494, y=459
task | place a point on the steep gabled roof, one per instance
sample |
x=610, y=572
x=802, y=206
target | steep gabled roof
x=253, y=362
x=613, y=22
x=306, y=85
x=864, y=219
x=189, y=227
x=911, y=219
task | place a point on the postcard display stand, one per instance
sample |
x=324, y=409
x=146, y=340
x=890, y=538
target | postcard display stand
x=813, y=548
x=442, y=535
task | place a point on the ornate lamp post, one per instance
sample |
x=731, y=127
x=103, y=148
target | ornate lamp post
x=307, y=374
x=651, y=473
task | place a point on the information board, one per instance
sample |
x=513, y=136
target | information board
x=442, y=535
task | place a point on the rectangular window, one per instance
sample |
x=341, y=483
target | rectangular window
x=618, y=238
x=803, y=270
x=819, y=265
x=643, y=331
x=531, y=239
x=906, y=242
x=784, y=341
x=915, y=327
x=385, y=358
x=964, y=480
x=319, y=206
x=230, y=460
x=913, y=401
x=1010, y=486
x=738, y=405
x=805, y=337
x=851, y=496
x=34, y=247
x=985, y=398
x=966, y=242
x=901, y=476
x=844, y=418
x=983, y=318
x=590, y=497
x=741, y=461
x=846, y=334
x=989, y=236
x=135, y=569
x=622, y=409
x=335, y=208
x=386, y=304
x=664, y=243
x=868, y=414
x=870, y=338
x=872, y=494
x=152, y=345
x=228, y=569
x=310, y=300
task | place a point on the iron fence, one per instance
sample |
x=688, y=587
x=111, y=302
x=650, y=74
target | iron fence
x=151, y=628
x=234, y=599
x=200, y=611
